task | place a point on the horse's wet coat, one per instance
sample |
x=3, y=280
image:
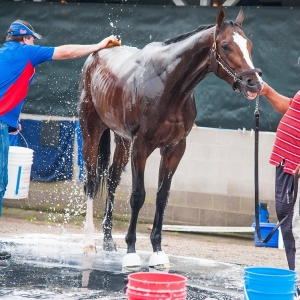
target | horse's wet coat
x=145, y=96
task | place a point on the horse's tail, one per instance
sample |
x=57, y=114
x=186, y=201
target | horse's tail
x=103, y=161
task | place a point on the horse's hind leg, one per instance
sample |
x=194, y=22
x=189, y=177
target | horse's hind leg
x=92, y=130
x=120, y=160
x=171, y=157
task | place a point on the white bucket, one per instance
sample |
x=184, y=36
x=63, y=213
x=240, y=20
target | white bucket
x=19, y=169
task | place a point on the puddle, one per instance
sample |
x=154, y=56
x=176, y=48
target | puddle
x=51, y=267
x=30, y=281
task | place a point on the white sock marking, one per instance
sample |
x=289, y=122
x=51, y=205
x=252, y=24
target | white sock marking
x=89, y=224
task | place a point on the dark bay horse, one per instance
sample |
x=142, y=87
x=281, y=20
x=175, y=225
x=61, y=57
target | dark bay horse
x=145, y=96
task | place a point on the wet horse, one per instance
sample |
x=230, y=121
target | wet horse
x=145, y=96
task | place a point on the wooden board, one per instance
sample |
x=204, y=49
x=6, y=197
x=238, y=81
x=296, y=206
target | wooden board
x=185, y=228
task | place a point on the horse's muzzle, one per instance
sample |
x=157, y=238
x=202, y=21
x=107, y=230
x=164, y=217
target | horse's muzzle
x=250, y=85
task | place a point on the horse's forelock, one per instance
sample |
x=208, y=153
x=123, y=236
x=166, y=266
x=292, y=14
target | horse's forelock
x=230, y=23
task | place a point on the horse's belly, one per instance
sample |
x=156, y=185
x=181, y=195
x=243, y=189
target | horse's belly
x=122, y=133
x=171, y=133
x=115, y=123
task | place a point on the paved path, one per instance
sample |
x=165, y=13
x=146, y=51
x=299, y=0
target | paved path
x=51, y=266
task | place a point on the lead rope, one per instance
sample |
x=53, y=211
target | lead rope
x=256, y=114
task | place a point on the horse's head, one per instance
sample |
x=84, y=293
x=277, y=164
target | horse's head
x=231, y=56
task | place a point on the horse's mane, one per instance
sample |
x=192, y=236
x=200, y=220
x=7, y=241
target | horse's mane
x=184, y=36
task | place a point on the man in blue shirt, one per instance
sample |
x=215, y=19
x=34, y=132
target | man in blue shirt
x=19, y=57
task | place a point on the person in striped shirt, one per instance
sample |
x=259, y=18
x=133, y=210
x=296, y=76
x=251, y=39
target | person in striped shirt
x=286, y=157
x=19, y=57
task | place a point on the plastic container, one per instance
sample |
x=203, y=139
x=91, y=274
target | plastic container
x=265, y=228
x=19, y=168
x=154, y=286
x=263, y=213
x=263, y=283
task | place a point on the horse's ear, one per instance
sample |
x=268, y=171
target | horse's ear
x=240, y=18
x=221, y=16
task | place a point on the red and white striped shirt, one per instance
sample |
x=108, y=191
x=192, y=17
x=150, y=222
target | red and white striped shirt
x=287, y=142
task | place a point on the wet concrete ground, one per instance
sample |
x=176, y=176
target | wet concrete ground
x=45, y=266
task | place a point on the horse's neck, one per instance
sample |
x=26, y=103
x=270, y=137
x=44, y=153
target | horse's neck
x=191, y=57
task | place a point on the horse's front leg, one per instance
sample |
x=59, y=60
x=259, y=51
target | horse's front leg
x=120, y=160
x=139, y=154
x=170, y=158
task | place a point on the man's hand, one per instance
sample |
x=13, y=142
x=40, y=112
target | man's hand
x=297, y=170
x=264, y=89
x=105, y=42
x=16, y=132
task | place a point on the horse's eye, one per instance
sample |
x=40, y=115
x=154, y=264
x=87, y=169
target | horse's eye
x=225, y=47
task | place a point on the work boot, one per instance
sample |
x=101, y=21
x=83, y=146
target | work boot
x=4, y=255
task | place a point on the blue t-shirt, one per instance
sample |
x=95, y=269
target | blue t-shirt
x=17, y=67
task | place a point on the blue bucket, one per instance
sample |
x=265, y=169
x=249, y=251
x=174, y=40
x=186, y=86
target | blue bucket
x=263, y=214
x=265, y=229
x=263, y=283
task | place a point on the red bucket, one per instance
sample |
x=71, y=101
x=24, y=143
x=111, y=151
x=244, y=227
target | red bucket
x=154, y=286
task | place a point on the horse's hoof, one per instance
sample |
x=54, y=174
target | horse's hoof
x=89, y=249
x=131, y=263
x=109, y=246
x=159, y=261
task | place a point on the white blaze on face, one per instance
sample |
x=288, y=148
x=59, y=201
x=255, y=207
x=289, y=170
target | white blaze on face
x=242, y=43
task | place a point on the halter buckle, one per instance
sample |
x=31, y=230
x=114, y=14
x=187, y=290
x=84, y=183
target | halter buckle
x=214, y=47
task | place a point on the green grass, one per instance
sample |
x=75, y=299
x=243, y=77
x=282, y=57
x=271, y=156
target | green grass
x=50, y=220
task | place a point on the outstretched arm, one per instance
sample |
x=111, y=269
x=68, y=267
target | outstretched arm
x=76, y=51
x=278, y=101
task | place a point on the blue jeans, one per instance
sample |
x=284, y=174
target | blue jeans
x=4, y=147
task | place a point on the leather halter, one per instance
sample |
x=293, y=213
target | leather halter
x=237, y=77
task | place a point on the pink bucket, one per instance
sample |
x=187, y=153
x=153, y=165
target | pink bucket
x=153, y=286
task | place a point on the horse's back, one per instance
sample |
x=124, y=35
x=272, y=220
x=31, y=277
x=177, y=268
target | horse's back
x=111, y=57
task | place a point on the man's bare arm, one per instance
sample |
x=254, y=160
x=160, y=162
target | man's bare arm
x=76, y=51
x=278, y=101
